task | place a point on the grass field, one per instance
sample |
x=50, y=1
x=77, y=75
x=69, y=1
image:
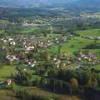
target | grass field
x=89, y=32
x=6, y=71
x=73, y=45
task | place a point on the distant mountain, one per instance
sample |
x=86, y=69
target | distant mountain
x=69, y=4
x=88, y=4
x=32, y=3
x=29, y=2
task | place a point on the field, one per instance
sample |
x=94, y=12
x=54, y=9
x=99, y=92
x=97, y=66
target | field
x=89, y=32
x=6, y=71
x=77, y=43
x=73, y=45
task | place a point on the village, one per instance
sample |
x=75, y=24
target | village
x=49, y=49
x=31, y=53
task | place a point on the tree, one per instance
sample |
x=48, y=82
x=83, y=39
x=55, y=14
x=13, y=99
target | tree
x=74, y=84
x=23, y=76
x=92, y=83
x=83, y=77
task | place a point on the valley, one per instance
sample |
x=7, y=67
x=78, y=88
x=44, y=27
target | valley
x=49, y=50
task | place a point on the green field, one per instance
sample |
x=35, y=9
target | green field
x=89, y=32
x=6, y=71
x=73, y=45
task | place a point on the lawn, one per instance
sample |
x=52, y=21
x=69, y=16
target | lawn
x=6, y=71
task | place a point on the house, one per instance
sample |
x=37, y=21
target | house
x=9, y=82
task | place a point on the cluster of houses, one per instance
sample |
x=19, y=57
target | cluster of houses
x=17, y=48
x=32, y=42
x=63, y=61
x=21, y=47
x=4, y=84
x=89, y=57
